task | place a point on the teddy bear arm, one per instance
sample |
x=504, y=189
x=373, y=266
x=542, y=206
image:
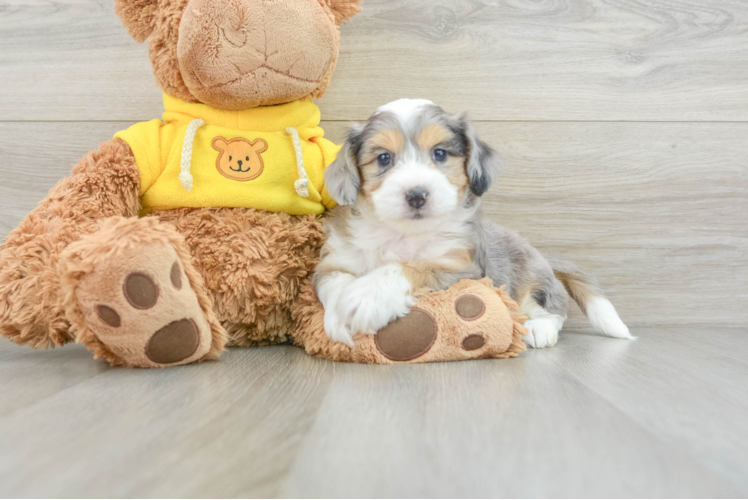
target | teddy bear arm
x=105, y=183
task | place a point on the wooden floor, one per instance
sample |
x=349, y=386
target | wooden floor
x=661, y=416
x=623, y=126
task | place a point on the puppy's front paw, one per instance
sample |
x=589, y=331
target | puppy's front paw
x=335, y=327
x=373, y=301
x=541, y=332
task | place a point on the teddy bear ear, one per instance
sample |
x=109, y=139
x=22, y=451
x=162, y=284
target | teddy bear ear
x=137, y=17
x=343, y=10
x=219, y=143
x=259, y=145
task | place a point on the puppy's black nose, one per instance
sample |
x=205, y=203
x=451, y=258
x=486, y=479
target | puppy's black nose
x=240, y=163
x=416, y=198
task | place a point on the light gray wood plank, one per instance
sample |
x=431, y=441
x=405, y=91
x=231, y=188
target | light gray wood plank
x=29, y=375
x=656, y=211
x=686, y=385
x=514, y=428
x=221, y=429
x=587, y=418
x=551, y=60
x=28, y=173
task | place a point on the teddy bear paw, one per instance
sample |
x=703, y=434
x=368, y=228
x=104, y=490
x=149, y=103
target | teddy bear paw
x=140, y=310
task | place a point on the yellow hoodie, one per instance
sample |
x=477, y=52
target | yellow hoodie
x=270, y=158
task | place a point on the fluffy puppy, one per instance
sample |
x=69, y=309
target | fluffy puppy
x=408, y=183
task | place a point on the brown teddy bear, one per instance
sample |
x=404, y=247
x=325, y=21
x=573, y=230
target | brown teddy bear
x=200, y=230
x=239, y=132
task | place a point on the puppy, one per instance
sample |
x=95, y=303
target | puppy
x=408, y=183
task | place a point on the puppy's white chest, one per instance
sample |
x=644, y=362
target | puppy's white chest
x=413, y=249
x=402, y=250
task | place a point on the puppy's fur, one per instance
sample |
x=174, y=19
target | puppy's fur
x=409, y=183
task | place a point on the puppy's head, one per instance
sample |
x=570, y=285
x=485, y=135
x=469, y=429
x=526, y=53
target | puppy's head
x=412, y=163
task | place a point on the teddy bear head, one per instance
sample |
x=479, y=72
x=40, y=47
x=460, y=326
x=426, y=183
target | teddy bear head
x=239, y=54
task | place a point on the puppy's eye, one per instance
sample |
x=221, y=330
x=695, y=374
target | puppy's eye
x=229, y=158
x=246, y=159
x=384, y=160
x=439, y=155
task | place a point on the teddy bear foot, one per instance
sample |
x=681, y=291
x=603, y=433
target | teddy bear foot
x=470, y=320
x=131, y=297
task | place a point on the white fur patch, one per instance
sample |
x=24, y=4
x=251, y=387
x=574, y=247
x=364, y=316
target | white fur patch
x=543, y=332
x=330, y=294
x=542, y=327
x=391, y=205
x=373, y=243
x=605, y=319
x=404, y=109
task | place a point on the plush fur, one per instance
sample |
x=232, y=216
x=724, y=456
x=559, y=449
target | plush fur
x=256, y=272
x=89, y=273
x=160, y=21
x=499, y=328
x=245, y=267
x=104, y=184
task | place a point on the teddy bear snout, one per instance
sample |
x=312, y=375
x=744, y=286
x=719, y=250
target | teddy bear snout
x=247, y=53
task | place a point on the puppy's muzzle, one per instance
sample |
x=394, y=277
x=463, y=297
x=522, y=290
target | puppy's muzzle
x=417, y=197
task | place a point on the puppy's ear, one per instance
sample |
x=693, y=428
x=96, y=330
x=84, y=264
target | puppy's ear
x=137, y=16
x=483, y=164
x=341, y=177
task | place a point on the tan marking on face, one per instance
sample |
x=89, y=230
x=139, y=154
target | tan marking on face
x=391, y=140
x=454, y=169
x=369, y=180
x=432, y=135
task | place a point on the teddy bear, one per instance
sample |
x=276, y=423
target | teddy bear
x=183, y=235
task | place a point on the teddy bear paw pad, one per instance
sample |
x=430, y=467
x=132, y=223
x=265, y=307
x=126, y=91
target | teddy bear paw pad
x=407, y=338
x=143, y=310
x=473, y=342
x=176, y=341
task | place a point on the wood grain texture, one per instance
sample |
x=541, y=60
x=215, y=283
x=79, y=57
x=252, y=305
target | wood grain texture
x=592, y=417
x=656, y=211
x=221, y=429
x=674, y=382
x=509, y=60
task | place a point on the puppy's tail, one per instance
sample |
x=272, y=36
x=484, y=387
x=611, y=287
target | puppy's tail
x=585, y=292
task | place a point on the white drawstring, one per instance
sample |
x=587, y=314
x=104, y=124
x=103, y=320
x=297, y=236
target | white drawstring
x=185, y=177
x=302, y=182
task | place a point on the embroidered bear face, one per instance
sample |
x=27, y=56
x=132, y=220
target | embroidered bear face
x=239, y=159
